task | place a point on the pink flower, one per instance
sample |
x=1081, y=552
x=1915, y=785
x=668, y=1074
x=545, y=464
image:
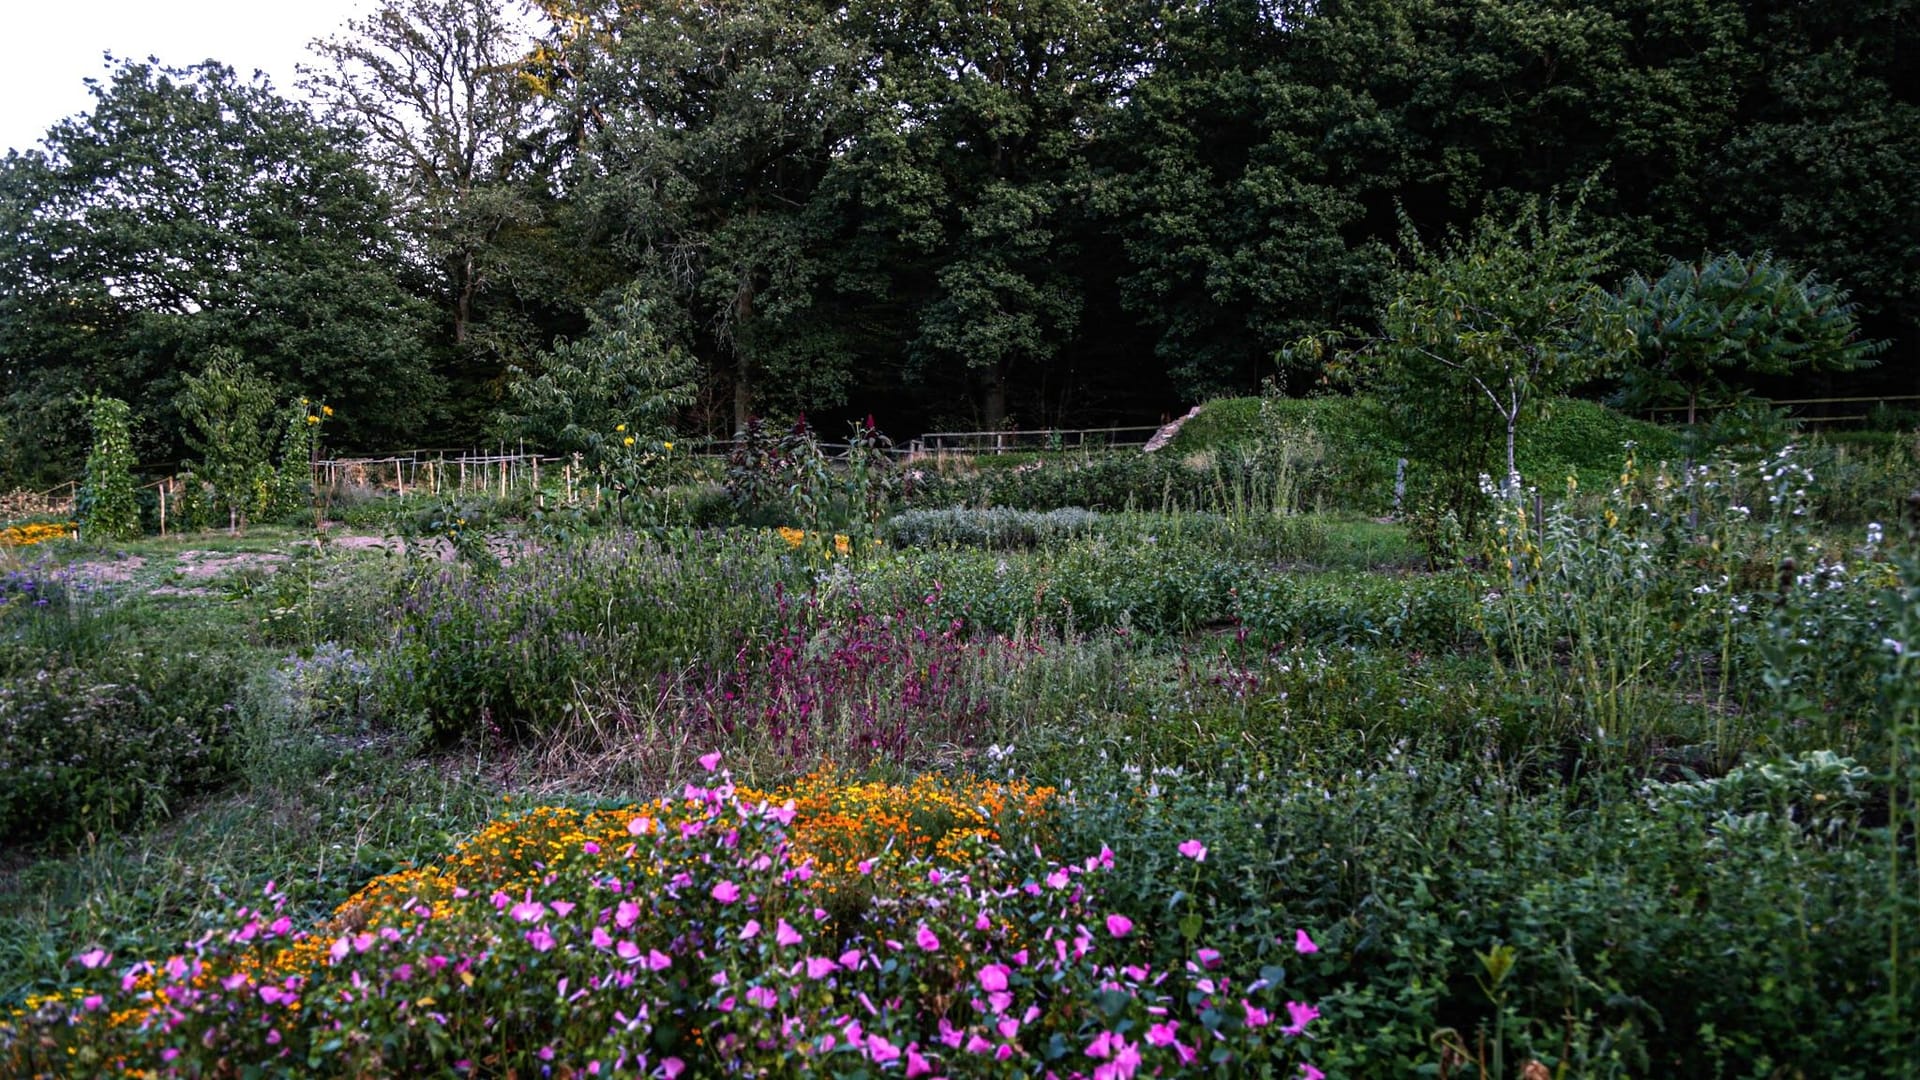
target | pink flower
x=762, y=997
x=819, y=967
x=601, y=939
x=880, y=1050
x=1194, y=849
x=1102, y=1045
x=640, y=826
x=993, y=977
x=1302, y=1014
x=1308, y=1072
x=726, y=892
x=339, y=949
x=562, y=908
x=710, y=762
x=786, y=935
x=1209, y=958
x=658, y=961
x=1303, y=944
x=917, y=1063
x=627, y=950
x=529, y=911
x=94, y=958
x=672, y=1067
x=92, y=1002
x=782, y=814
x=626, y=914
x=1163, y=1034
x=590, y=848
x=924, y=938
x=1119, y=925
x=751, y=930
x=1256, y=1016
x=540, y=939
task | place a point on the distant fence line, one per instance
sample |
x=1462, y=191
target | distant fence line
x=1798, y=405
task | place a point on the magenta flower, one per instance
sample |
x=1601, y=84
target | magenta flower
x=1165, y=1034
x=924, y=938
x=658, y=961
x=1256, y=1016
x=672, y=1067
x=1209, y=958
x=1194, y=849
x=917, y=1063
x=94, y=958
x=1303, y=1014
x=786, y=935
x=640, y=826
x=1303, y=944
x=710, y=762
x=540, y=939
x=751, y=930
x=601, y=939
x=880, y=1050
x=1119, y=925
x=626, y=914
x=726, y=892
x=528, y=911
x=762, y=997
x=1308, y=1072
x=993, y=977
x=819, y=967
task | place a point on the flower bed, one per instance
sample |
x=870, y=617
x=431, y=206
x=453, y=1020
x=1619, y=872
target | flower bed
x=827, y=926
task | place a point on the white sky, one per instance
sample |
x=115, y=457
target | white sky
x=56, y=45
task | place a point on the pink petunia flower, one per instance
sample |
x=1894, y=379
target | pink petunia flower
x=1119, y=925
x=1194, y=849
x=1303, y=944
x=726, y=892
x=1303, y=1014
x=925, y=938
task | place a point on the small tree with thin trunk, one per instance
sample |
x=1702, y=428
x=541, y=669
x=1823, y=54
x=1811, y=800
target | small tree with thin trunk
x=1488, y=329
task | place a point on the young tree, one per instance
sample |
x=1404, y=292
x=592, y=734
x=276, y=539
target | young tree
x=229, y=406
x=623, y=381
x=1493, y=326
x=1699, y=323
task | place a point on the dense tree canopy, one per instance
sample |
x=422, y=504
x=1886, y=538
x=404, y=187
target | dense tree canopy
x=1054, y=212
x=190, y=211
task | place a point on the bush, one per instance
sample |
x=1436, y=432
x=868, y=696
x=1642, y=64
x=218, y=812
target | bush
x=89, y=751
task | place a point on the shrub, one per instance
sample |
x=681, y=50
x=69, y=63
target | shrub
x=108, y=509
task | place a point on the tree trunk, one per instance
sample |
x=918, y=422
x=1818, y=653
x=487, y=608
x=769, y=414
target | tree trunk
x=1512, y=483
x=994, y=405
x=742, y=373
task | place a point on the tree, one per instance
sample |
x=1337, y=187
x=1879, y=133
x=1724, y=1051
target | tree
x=707, y=130
x=229, y=406
x=1491, y=327
x=1699, y=322
x=458, y=115
x=192, y=210
x=973, y=163
x=621, y=381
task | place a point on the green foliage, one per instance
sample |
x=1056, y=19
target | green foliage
x=249, y=226
x=229, y=407
x=622, y=383
x=1697, y=324
x=292, y=494
x=107, y=507
x=1480, y=336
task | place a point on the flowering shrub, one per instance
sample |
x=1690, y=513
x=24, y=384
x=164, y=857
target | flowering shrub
x=35, y=532
x=686, y=937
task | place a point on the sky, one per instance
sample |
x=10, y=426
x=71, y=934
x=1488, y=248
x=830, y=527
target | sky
x=57, y=45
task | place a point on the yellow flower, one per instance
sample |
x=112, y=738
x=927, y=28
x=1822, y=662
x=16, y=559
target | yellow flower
x=326, y=410
x=668, y=445
x=619, y=427
x=628, y=440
